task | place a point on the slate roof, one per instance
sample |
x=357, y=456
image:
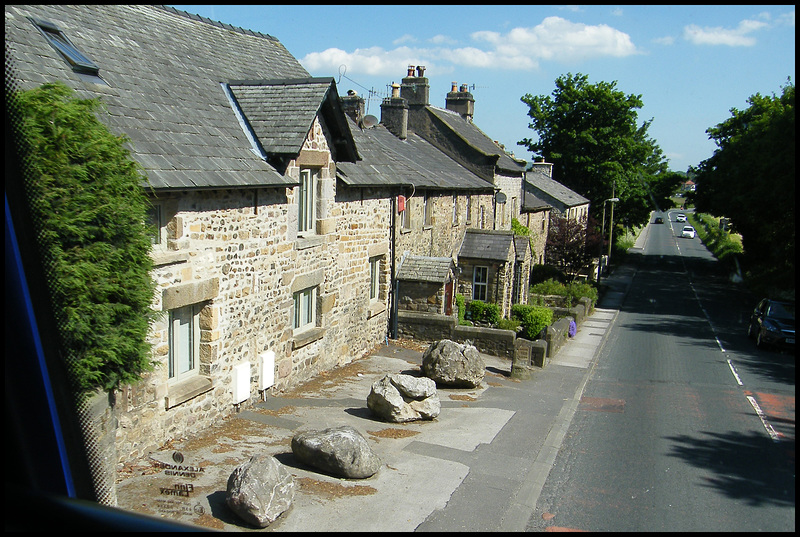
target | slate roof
x=281, y=113
x=493, y=245
x=554, y=189
x=531, y=202
x=387, y=161
x=522, y=246
x=164, y=70
x=475, y=137
x=425, y=269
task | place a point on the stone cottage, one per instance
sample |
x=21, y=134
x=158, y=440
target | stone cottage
x=290, y=232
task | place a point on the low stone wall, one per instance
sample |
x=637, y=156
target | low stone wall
x=428, y=327
x=523, y=353
x=492, y=341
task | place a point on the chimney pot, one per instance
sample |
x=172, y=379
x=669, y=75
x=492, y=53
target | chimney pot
x=410, y=70
x=454, y=87
x=420, y=71
x=464, y=88
x=395, y=90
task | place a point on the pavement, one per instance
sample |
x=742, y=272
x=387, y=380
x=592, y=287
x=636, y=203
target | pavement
x=479, y=466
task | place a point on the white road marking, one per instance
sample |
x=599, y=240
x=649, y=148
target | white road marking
x=734, y=373
x=763, y=419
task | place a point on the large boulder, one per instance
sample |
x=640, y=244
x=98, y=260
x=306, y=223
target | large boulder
x=453, y=364
x=260, y=490
x=400, y=398
x=339, y=451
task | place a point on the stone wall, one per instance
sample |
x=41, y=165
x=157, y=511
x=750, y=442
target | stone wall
x=236, y=257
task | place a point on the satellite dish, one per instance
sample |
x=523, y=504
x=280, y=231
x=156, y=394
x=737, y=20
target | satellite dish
x=501, y=198
x=369, y=121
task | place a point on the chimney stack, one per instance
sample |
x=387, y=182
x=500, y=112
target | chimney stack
x=545, y=168
x=461, y=102
x=394, y=112
x=415, y=89
x=353, y=105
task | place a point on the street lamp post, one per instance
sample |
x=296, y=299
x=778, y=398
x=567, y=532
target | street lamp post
x=603, y=234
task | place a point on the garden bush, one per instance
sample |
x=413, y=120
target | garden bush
x=532, y=318
x=482, y=312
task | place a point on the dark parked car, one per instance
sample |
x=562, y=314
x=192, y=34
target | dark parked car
x=659, y=220
x=772, y=324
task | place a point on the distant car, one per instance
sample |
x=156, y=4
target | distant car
x=680, y=218
x=688, y=232
x=772, y=324
x=658, y=220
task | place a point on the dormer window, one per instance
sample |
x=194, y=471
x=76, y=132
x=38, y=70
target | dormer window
x=77, y=60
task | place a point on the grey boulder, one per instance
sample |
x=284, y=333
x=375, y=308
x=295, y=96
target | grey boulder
x=400, y=398
x=260, y=490
x=453, y=364
x=338, y=451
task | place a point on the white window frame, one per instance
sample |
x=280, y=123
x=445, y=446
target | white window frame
x=480, y=285
x=455, y=210
x=469, y=209
x=405, y=215
x=374, y=278
x=306, y=201
x=184, y=343
x=305, y=309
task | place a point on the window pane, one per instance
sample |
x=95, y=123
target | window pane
x=181, y=342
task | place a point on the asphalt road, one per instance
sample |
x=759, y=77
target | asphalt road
x=683, y=425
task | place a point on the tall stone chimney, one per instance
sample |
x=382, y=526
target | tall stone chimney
x=460, y=101
x=353, y=105
x=545, y=168
x=394, y=113
x=415, y=88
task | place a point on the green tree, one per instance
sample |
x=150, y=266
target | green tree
x=590, y=134
x=750, y=179
x=89, y=209
x=571, y=245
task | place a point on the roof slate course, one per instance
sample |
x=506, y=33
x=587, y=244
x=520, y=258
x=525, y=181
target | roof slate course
x=425, y=269
x=555, y=189
x=487, y=244
x=470, y=132
x=164, y=70
x=389, y=161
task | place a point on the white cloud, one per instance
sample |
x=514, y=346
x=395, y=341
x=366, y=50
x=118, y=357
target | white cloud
x=666, y=40
x=407, y=38
x=442, y=40
x=723, y=36
x=555, y=39
x=558, y=39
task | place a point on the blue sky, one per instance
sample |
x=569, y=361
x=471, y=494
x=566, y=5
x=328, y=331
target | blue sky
x=690, y=64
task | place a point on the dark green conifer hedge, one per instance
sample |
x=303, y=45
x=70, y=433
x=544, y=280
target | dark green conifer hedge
x=89, y=208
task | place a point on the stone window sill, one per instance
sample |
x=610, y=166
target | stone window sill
x=163, y=257
x=187, y=389
x=307, y=336
x=376, y=309
x=310, y=241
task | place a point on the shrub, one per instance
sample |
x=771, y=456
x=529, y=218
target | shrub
x=577, y=290
x=461, y=309
x=90, y=212
x=509, y=324
x=549, y=287
x=482, y=312
x=532, y=318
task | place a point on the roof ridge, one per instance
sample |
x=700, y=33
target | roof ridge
x=283, y=81
x=218, y=24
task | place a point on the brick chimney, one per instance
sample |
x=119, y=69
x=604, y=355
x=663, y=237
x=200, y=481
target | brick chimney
x=415, y=88
x=353, y=105
x=394, y=113
x=460, y=101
